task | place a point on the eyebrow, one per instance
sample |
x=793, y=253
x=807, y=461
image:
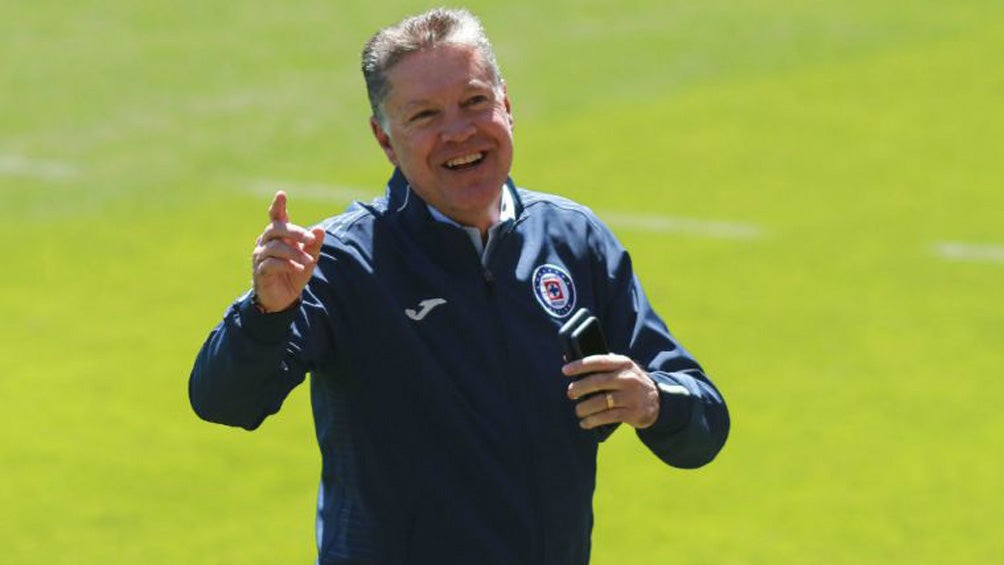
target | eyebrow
x=417, y=102
x=414, y=104
x=472, y=86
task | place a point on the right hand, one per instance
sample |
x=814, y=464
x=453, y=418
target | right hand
x=284, y=258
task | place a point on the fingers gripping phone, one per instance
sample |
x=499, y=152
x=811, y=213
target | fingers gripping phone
x=582, y=336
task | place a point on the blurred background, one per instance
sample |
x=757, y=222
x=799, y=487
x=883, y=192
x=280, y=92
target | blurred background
x=811, y=192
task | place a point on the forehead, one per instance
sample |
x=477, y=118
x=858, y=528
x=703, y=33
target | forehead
x=436, y=72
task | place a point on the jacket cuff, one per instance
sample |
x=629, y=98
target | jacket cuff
x=675, y=407
x=267, y=329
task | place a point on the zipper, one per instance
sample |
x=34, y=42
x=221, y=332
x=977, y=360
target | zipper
x=489, y=277
x=517, y=397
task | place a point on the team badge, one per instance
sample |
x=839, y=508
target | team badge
x=554, y=289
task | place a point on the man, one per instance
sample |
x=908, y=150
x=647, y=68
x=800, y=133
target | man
x=451, y=431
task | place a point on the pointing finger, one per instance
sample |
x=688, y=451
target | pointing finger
x=277, y=210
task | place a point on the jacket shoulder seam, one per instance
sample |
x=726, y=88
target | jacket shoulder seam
x=534, y=199
x=339, y=225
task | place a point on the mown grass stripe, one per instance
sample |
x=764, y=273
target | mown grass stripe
x=312, y=191
x=21, y=166
x=975, y=252
x=720, y=229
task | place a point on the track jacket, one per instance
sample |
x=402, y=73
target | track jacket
x=440, y=408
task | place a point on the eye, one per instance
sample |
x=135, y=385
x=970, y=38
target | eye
x=422, y=115
x=476, y=99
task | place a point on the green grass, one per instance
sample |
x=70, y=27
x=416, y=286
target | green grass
x=861, y=368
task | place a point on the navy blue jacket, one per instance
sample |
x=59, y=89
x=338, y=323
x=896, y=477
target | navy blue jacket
x=449, y=438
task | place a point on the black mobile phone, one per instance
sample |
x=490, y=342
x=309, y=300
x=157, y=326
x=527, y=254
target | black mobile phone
x=565, y=333
x=582, y=336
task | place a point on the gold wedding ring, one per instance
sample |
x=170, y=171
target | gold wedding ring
x=610, y=400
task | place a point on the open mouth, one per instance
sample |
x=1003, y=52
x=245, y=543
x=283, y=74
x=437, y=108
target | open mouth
x=465, y=162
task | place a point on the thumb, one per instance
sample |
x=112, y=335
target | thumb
x=314, y=247
x=277, y=210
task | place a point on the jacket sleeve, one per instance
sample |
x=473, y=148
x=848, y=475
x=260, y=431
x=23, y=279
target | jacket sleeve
x=248, y=365
x=693, y=421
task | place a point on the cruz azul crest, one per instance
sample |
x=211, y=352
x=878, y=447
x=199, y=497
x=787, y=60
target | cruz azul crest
x=554, y=289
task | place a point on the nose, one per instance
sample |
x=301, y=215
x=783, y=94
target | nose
x=457, y=129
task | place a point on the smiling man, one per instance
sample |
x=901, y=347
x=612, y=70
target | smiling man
x=447, y=123
x=451, y=430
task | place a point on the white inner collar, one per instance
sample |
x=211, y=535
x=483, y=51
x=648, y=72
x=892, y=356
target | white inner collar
x=507, y=212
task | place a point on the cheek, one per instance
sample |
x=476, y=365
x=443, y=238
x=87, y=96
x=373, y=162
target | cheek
x=416, y=148
x=503, y=129
x=503, y=123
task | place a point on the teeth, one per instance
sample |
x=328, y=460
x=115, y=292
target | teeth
x=466, y=159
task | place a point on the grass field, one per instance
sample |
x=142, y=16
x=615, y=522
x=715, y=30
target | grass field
x=812, y=193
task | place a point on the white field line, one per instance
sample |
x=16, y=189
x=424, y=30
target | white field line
x=690, y=226
x=21, y=166
x=650, y=223
x=974, y=252
x=310, y=191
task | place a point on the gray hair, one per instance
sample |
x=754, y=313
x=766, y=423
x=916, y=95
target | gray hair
x=437, y=26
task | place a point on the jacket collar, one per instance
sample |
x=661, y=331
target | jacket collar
x=445, y=244
x=401, y=199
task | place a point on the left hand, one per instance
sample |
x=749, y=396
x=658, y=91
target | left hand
x=618, y=390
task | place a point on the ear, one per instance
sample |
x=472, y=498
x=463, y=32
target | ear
x=384, y=140
x=508, y=105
